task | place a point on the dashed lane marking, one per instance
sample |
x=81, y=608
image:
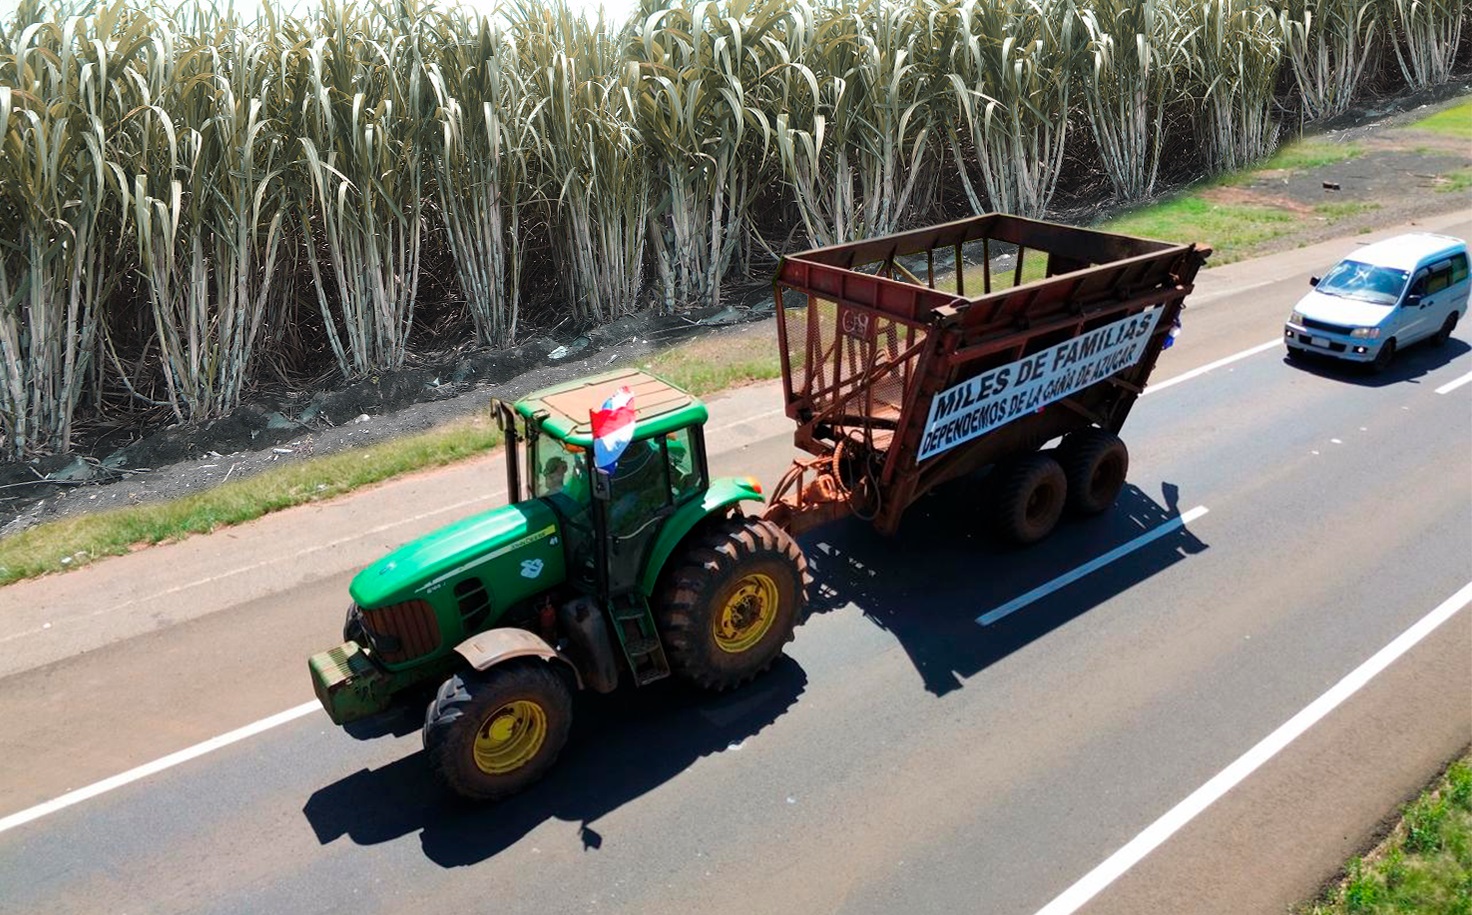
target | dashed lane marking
x=1068, y=578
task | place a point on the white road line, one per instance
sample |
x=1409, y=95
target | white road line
x=1071, y=899
x=1196, y=372
x=1094, y=565
x=1451, y=386
x=750, y=419
x=158, y=765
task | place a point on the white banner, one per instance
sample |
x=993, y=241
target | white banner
x=978, y=405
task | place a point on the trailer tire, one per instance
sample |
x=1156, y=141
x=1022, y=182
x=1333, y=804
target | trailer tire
x=1096, y=462
x=1030, y=501
x=731, y=601
x=491, y=733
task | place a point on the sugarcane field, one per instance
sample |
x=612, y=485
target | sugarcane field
x=201, y=204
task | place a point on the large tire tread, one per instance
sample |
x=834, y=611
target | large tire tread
x=461, y=705
x=719, y=553
x=1021, y=519
x=1096, y=464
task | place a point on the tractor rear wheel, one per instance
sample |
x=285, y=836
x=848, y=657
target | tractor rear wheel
x=1096, y=462
x=731, y=601
x=1031, y=498
x=491, y=733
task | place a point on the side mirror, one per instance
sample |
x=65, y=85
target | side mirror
x=1412, y=300
x=1313, y=281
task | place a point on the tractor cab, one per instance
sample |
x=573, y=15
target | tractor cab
x=610, y=520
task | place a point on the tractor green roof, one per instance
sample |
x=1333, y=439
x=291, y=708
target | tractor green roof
x=565, y=410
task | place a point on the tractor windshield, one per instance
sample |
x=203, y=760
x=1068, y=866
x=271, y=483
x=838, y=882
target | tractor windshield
x=559, y=468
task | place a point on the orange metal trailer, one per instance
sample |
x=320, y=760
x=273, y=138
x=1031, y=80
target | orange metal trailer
x=916, y=358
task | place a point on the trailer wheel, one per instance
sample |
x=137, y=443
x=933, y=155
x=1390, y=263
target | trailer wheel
x=489, y=734
x=1031, y=499
x=731, y=601
x=1095, y=461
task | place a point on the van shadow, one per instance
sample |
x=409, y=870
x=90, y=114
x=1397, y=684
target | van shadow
x=622, y=746
x=1409, y=365
x=943, y=570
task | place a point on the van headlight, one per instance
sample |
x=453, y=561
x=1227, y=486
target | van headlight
x=1295, y=318
x=1365, y=333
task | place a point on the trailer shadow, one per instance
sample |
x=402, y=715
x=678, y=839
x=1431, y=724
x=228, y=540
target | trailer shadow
x=623, y=745
x=943, y=570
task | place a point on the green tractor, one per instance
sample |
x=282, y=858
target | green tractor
x=588, y=580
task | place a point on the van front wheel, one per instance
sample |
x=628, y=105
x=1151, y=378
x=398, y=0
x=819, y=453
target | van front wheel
x=1382, y=358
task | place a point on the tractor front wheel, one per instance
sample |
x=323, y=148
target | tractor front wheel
x=731, y=602
x=491, y=733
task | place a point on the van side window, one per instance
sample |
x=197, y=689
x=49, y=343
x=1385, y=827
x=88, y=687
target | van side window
x=1418, y=285
x=1439, y=278
x=1459, y=268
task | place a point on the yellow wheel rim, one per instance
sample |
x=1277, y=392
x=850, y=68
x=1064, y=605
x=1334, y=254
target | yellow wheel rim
x=509, y=737
x=748, y=614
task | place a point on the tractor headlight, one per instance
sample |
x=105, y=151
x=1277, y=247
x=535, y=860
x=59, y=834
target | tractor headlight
x=1365, y=333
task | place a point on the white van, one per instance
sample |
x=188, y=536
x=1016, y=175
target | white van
x=1383, y=298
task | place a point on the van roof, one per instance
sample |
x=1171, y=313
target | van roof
x=1405, y=252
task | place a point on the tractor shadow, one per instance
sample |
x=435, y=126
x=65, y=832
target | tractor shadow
x=623, y=745
x=944, y=569
x=1409, y=366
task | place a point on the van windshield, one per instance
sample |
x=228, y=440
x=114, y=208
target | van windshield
x=1365, y=282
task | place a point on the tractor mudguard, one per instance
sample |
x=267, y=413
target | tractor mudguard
x=722, y=493
x=497, y=646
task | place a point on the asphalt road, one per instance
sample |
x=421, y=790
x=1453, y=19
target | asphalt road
x=903, y=757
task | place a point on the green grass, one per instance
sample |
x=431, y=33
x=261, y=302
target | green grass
x=1305, y=155
x=73, y=542
x=1232, y=230
x=1424, y=865
x=1456, y=181
x=701, y=367
x=1343, y=210
x=1455, y=121
x=719, y=362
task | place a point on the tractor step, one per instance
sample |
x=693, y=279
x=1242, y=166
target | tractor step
x=641, y=647
x=643, y=650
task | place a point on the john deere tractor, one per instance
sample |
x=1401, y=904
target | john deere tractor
x=588, y=580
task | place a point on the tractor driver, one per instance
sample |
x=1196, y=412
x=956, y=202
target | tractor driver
x=553, y=475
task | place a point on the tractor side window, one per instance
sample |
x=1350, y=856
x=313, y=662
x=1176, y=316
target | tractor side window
x=559, y=468
x=684, y=478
